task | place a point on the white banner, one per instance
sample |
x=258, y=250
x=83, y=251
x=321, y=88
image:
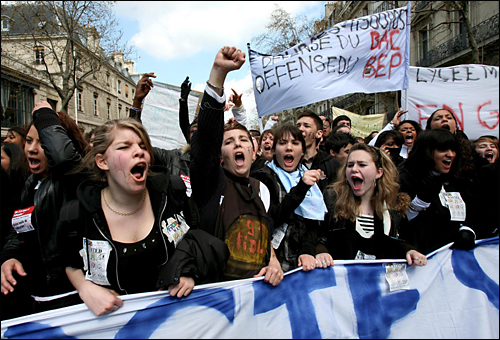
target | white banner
x=160, y=115
x=368, y=54
x=455, y=296
x=470, y=92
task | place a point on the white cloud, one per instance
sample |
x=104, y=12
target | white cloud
x=176, y=29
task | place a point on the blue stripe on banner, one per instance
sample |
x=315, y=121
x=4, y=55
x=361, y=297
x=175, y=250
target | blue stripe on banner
x=456, y=295
x=376, y=313
x=470, y=274
x=146, y=321
x=299, y=306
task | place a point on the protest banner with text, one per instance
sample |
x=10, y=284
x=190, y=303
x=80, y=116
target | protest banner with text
x=368, y=54
x=470, y=92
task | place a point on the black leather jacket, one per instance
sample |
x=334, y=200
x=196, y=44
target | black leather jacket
x=39, y=250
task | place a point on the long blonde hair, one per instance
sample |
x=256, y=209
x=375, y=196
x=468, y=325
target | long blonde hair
x=386, y=190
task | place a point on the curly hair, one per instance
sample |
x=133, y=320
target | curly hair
x=347, y=205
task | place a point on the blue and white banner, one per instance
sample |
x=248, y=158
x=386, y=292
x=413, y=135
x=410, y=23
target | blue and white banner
x=368, y=54
x=456, y=295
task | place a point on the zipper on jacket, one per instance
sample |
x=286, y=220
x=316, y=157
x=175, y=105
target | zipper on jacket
x=116, y=256
x=161, y=231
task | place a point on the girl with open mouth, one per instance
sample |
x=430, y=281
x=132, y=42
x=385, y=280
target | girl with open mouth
x=131, y=223
x=365, y=212
x=439, y=212
x=54, y=146
x=297, y=205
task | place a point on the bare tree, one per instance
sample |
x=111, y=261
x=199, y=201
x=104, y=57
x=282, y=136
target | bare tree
x=284, y=31
x=462, y=8
x=75, y=39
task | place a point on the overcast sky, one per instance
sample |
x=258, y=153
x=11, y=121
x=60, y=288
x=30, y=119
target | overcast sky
x=176, y=39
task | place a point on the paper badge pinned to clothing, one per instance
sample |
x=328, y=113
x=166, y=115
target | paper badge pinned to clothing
x=21, y=220
x=454, y=202
x=174, y=229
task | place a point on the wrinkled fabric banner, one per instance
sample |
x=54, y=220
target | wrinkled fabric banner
x=160, y=115
x=470, y=92
x=456, y=295
x=368, y=54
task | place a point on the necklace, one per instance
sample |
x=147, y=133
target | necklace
x=120, y=213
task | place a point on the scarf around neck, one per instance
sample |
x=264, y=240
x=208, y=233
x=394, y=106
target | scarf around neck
x=313, y=206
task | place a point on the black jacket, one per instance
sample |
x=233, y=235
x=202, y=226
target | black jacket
x=432, y=228
x=301, y=233
x=198, y=255
x=40, y=250
x=329, y=165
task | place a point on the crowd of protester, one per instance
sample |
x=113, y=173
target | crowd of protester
x=90, y=218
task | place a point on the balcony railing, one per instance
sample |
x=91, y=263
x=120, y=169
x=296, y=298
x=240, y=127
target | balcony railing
x=482, y=32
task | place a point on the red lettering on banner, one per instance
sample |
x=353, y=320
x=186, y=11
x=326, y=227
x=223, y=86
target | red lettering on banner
x=420, y=118
x=377, y=69
x=377, y=41
x=482, y=122
x=460, y=121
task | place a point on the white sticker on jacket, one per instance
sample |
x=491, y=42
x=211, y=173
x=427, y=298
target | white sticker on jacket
x=21, y=220
x=175, y=229
x=96, y=260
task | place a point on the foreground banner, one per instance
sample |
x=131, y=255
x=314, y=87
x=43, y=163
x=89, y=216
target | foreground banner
x=361, y=125
x=368, y=54
x=470, y=92
x=160, y=115
x=456, y=295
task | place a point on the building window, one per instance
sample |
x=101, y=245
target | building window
x=107, y=79
x=119, y=111
x=96, y=112
x=39, y=54
x=5, y=25
x=424, y=43
x=126, y=91
x=108, y=103
x=119, y=86
x=79, y=97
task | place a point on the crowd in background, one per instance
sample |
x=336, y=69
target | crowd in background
x=90, y=218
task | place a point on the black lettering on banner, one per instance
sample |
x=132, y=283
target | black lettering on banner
x=469, y=73
x=418, y=79
x=372, y=19
x=402, y=17
x=454, y=72
x=433, y=74
x=442, y=78
x=492, y=70
x=334, y=30
x=303, y=63
x=266, y=78
x=328, y=65
x=344, y=41
x=259, y=84
x=324, y=43
x=291, y=70
x=319, y=62
x=386, y=21
x=367, y=23
x=279, y=75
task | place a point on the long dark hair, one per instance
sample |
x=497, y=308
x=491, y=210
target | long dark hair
x=421, y=158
